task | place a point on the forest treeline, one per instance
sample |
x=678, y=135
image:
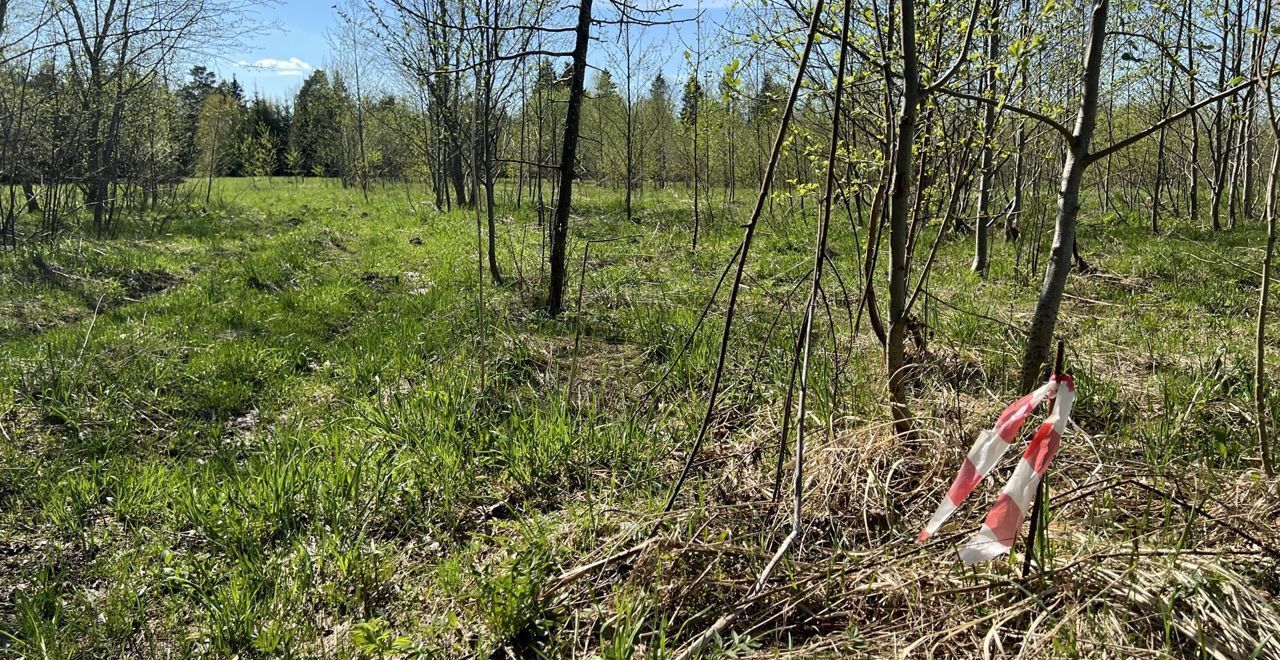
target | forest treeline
x=974, y=120
x=141, y=135
x=206, y=127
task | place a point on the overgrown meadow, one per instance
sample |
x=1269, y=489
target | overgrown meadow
x=292, y=424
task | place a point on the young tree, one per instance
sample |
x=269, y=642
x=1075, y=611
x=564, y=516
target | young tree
x=260, y=152
x=988, y=166
x=661, y=121
x=191, y=98
x=1079, y=156
x=568, y=158
x=216, y=136
x=295, y=164
x=692, y=103
x=1260, y=390
x=633, y=59
x=353, y=54
x=899, y=202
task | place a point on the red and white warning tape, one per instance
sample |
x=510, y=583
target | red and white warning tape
x=1002, y=523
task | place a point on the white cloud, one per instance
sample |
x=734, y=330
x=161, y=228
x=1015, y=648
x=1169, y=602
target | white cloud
x=692, y=5
x=290, y=67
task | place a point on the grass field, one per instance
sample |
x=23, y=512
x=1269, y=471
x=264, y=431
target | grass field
x=286, y=428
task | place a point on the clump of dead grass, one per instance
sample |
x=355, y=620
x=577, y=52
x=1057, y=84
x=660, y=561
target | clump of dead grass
x=1138, y=563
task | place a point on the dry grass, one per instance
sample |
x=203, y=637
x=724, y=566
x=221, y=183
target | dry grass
x=1138, y=564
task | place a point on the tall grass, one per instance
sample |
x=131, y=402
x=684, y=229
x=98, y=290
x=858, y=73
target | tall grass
x=263, y=433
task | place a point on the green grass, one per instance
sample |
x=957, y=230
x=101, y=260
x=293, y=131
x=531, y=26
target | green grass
x=282, y=429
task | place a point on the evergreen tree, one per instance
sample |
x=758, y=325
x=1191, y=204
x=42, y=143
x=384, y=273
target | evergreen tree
x=314, y=132
x=661, y=119
x=691, y=100
x=217, y=137
x=275, y=119
x=191, y=97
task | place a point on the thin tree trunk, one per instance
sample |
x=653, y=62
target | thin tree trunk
x=899, y=203
x=1159, y=181
x=1045, y=318
x=1193, y=171
x=980, y=250
x=1221, y=130
x=213, y=161
x=1263, y=411
x=1166, y=102
x=1013, y=221
x=697, y=184
x=33, y=202
x=744, y=252
x=490, y=143
x=568, y=157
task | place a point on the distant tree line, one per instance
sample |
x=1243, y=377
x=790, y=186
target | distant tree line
x=312, y=135
x=90, y=126
x=201, y=128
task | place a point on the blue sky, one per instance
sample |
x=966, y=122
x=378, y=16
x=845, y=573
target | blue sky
x=274, y=65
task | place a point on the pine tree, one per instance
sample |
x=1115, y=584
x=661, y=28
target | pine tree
x=314, y=132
